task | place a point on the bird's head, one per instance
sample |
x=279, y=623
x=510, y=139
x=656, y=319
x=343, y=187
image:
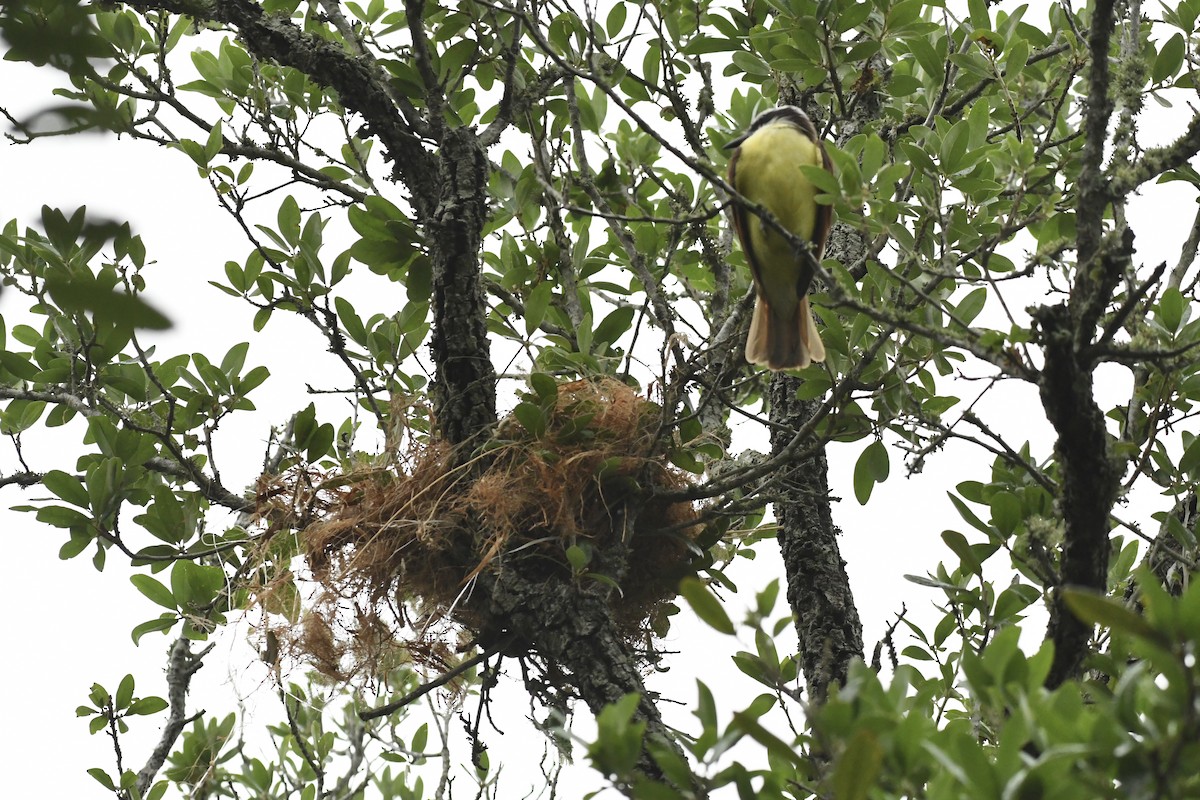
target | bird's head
x=780, y=115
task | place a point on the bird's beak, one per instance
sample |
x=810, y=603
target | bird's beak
x=734, y=142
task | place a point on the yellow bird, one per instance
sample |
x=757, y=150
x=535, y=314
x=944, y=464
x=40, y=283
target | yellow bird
x=765, y=169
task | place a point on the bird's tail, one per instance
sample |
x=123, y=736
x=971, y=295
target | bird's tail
x=778, y=342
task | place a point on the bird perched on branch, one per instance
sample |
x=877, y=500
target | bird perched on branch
x=765, y=169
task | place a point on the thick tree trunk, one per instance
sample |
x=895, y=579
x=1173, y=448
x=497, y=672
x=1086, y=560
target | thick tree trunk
x=1089, y=473
x=818, y=588
x=1088, y=484
x=464, y=389
x=570, y=628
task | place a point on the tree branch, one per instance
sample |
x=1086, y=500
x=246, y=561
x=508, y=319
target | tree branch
x=182, y=664
x=818, y=589
x=1156, y=161
x=360, y=88
x=1090, y=475
x=427, y=687
x=1089, y=483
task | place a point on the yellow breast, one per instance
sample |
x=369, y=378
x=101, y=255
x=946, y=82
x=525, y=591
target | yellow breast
x=768, y=172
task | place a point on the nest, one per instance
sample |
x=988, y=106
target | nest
x=564, y=491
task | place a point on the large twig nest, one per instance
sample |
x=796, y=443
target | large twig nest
x=563, y=492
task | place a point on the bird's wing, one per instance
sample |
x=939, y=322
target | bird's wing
x=824, y=212
x=741, y=223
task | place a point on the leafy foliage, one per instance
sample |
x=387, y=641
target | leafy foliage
x=538, y=189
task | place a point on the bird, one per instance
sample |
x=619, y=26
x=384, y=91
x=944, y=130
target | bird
x=765, y=169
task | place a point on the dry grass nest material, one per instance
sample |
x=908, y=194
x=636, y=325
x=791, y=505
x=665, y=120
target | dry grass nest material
x=562, y=479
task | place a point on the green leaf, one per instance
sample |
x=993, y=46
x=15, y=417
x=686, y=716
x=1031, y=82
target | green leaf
x=1016, y=56
x=1014, y=599
x=531, y=418
x=350, y=320
x=124, y=693
x=577, y=557
x=618, y=736
x=62, y=517
x=1179, y=532
x=235, y=359
x=18, y=365
x=536, y=303
x=163, y=623
x=545, y=387
x=674, y=768
x=703, y=45
x=685, y=459
x=764, y=601
x=858, y=767
x=288, y=220
x=916, y=653
x=419, y=285
x=1170, y=309
x=706, y=605
x=75, y=545
x=705, y=711
x=148, y=705
x=749, y=725
x=978, y=9
x=321, y=442
x=1169, y=60
x=958, y=543
x=1007, y=511
x=616, y=19
x=933, y=65
x=821, y=178
x=98, y=695
x=100, y=775
x=154, y=590
x=86, y=293
x=1096, y=609
x=195, y=585
x=252, y=379
x=1190, y=461
x=971, y=305
x=21, y=415
x=954, y=147
x=967, y=514
x=214, y=143
x=871, y=468
x=614, y=325
x=420, y=738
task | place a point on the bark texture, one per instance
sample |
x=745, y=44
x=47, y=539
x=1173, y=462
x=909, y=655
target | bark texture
x=1090, y=473
x=464, y=389
x=570, y=627
x=818, y=588
x=1087, y=486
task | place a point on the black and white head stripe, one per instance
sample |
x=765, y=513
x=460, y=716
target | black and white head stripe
x=789, y=115
x=780, y=115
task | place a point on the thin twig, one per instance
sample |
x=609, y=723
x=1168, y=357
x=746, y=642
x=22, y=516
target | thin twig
x=442, y=680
